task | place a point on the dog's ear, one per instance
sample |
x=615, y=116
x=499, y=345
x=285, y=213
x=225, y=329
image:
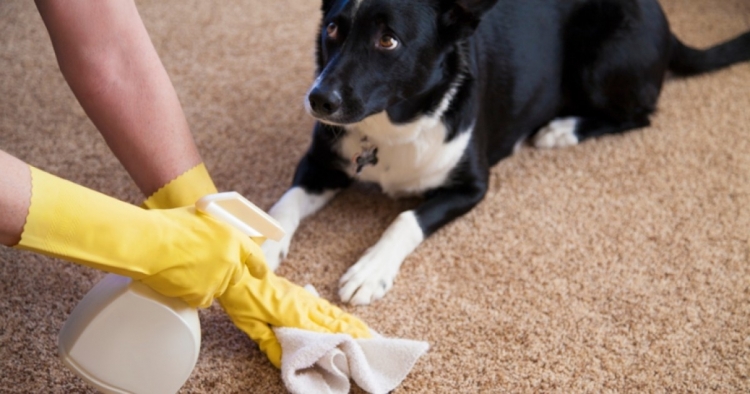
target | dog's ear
x=459, y=18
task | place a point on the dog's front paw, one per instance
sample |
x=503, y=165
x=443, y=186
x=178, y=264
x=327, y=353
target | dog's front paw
x=557, y=134
x=275, y=252
x=369, y=279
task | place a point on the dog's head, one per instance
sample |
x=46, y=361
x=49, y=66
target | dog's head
x=373, y=54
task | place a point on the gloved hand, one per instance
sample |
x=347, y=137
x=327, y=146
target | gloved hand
x=177, y=252
x=255, y=305
x=261, y=300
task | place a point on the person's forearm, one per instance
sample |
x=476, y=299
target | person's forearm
x=15, y=197
x=108, y=60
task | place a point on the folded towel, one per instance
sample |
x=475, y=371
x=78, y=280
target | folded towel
x=314, y=363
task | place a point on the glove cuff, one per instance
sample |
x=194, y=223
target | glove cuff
x=71, y=222
x=182, y=191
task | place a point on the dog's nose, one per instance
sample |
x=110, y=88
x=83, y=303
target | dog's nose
x=324, y=102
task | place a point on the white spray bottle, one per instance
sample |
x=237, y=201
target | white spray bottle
x=124, y=337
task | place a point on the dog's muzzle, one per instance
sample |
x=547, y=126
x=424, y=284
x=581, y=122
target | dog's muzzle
x=323, y=103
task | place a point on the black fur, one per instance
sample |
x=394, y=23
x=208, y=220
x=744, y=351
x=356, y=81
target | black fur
x=686, y=61
x=520, y=65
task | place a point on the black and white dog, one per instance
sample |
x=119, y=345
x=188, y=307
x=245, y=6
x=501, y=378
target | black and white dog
x=423, y=96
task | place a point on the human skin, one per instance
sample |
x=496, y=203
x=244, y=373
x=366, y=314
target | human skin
x=107, y=58
x=15, y=197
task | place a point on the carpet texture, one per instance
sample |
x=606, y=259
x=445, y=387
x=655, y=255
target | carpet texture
x=620, y=265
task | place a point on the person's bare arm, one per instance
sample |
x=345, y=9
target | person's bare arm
x=111, y=65
x=15, y=197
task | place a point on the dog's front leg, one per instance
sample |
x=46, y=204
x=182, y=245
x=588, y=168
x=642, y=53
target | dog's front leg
x=296, y=204
x=317, y=180
x=372, y=276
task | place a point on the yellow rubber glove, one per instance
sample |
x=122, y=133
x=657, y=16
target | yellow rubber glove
x=177, y=252
x=184, y=190
x=255, y=305
x=261, y=300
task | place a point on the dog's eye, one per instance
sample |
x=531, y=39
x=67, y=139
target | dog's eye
x=332, y=30
x=388, y=42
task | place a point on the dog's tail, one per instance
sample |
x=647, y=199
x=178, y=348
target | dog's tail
x=687, y=61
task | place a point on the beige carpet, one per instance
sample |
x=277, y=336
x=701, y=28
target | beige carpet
x=621, y=265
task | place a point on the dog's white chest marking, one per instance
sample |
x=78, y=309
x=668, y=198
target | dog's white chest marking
x=411, y=158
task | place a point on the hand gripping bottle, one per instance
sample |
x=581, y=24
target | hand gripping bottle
x=124, y=337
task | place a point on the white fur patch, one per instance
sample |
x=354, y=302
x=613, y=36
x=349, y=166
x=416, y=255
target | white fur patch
x=295, y=205
x=557, y=134
x=412, y=157
x=374, y=273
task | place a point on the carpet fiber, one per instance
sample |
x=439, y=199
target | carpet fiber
x=620, y=265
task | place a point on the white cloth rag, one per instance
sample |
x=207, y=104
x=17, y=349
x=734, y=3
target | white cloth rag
x=313, y=362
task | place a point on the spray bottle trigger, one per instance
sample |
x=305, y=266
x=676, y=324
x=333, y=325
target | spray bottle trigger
x=234, y=209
